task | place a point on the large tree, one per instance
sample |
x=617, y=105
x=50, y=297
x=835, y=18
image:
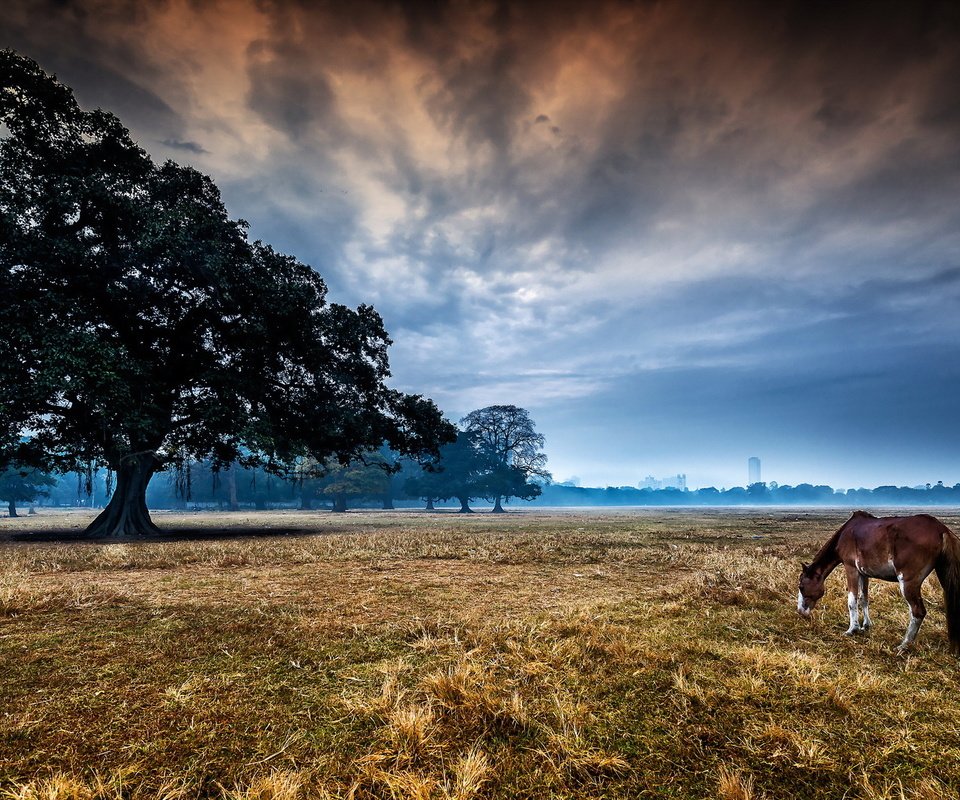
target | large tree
x=140, y=327
x=509, y=435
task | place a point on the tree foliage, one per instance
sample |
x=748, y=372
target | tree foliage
x=460, y=472
x=141, y=327
x=508, y=434
x=368, y=476
x=497, y=456
x=19, y=484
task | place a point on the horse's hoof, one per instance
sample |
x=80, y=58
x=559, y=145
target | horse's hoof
x=852, y=632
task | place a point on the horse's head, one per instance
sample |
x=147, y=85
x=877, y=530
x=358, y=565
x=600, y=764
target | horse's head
x=811, y=590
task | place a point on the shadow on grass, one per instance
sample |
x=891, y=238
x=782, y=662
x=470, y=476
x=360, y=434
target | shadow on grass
x=240, y=530
x=60, y=535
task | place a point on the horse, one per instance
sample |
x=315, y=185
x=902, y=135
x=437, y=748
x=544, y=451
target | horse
x=901, y=549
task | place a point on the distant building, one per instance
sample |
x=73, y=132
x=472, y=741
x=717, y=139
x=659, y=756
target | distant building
x=753, y=470
x=678, y=481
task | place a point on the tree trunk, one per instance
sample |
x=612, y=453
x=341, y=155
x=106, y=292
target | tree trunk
x=232, y=487
x=126, y=514
x=12, y=508
x=429, y=505
x=304, y=501
x=464, y=505
x=497, y=508
x=340, y=502
x=388, y=502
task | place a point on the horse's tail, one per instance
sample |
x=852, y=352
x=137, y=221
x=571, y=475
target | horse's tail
x=948, y=571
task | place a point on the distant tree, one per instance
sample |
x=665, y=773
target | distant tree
x=140, y=327
x=365, y=477
x=394, y=490
x=506, y=481
x=460, y=472
x=758, y=492
x=508, y=434
x=735, y=495
x=233, y=499
x=307, y=480
x=398, y=469
x=23, y=485
x=425, y=484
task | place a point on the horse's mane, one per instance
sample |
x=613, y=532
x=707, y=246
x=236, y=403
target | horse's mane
x=831, y=543
x=828, y=546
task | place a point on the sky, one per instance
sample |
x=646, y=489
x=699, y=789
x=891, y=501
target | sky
x=679, y=233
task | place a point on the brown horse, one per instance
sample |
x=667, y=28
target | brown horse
x=902, y=549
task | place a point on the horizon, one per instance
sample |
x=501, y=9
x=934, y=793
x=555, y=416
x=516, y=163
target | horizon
x=679, y=234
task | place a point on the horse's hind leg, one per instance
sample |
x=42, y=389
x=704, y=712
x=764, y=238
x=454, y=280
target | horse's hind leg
x=853, y=596
x=865, y=600
x=911, y=593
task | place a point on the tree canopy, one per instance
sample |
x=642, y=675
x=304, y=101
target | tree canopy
x=23, y=485
x=508, y=434
x=496, y=456
x=366, y=476
x=460, y=472
x=141, y=327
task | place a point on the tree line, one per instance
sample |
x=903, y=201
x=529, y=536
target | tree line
x=758, y=494
x=496, y=456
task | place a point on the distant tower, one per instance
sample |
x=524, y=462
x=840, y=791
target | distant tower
x=753, y=470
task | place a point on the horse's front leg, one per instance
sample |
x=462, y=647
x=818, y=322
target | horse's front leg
x=853, y=597
x=865, y=601
x=910, y=589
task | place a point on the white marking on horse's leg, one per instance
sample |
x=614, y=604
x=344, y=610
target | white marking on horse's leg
x=915, y=621
x=911, y=633
x=913, y=628
x=907, y=639
x=865, y=602
x=854, y=614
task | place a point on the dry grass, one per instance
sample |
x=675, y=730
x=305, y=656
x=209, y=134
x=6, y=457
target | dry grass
x=407, y=655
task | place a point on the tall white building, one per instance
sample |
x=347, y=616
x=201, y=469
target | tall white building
x=753, y=470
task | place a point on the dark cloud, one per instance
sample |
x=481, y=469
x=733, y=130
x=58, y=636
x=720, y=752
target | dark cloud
x=113, y=73
x=288, y=94
x=189, y=147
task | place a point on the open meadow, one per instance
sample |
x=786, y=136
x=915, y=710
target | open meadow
x=567, y=654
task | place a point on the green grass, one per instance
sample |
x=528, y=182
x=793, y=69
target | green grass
x=386, y=655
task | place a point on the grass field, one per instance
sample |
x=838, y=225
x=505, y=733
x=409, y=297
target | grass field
x=411, y=655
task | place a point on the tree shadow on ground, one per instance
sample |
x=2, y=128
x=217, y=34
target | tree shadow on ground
x=61, y=535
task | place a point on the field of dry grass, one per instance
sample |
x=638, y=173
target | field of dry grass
x=410, y=655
